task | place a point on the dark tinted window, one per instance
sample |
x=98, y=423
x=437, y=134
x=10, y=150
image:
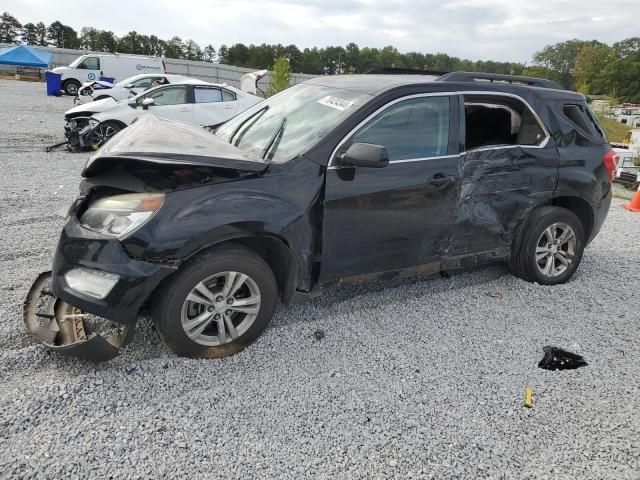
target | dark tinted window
x=414, y=128
x=577, y=116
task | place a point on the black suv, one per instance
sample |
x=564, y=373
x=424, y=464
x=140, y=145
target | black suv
x=341, y=176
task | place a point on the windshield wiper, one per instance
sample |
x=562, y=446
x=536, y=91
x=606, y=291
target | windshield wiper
x=274, y=142
x=256, y=116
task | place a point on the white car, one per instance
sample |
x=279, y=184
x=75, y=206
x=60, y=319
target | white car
x=207, y=104
x=127, y=88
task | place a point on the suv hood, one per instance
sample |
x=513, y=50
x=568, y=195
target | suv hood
x=93, y=107
x=152, y=140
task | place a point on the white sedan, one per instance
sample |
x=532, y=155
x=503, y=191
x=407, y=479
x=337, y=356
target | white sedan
x=207, y=104
x=127, y=88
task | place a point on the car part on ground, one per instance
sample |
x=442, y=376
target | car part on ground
x=336, y=179
x=68, y=330
x=558, y=359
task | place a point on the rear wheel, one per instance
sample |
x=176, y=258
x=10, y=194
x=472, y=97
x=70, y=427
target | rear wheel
x=217, y=304
x=71, y=87
x=550, y=247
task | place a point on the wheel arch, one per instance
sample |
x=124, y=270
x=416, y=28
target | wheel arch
x=273, y=249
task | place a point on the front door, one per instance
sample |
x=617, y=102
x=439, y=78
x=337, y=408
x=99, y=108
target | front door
x=400, y=216
x=171, y=102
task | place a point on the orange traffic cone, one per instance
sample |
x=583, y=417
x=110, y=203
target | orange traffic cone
x=634, y=205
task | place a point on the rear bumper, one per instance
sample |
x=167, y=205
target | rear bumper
x=79, y=247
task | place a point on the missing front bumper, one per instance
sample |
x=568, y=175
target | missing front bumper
x=68, y=330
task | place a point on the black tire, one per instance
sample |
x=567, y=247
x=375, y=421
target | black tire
x=104, y=132
x=524, y=262
x=71, y=87
x=167, y=306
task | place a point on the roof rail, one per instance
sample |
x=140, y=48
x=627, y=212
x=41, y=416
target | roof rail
x=403, y=71
x=495, y=77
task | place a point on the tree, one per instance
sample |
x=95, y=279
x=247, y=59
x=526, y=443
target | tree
x=29, y=34
x=174, y=48
x=192, y=51
x=390, y=57
x=280, y=76
x=41, y=34
x=561, y=57
x=62, y=36
x=9, y=28
x=209, y=54
x=592, y=69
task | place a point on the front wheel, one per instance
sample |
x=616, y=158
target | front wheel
x=71, y=87
x=550, y=248
x=217, y=304
x=104, y=132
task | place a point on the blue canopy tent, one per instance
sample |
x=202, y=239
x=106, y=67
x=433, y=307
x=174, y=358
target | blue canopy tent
x=23, y=56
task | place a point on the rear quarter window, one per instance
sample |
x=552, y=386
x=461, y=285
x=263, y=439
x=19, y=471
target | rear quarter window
x=580, y=116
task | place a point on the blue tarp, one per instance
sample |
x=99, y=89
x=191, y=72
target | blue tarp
x=23, y=56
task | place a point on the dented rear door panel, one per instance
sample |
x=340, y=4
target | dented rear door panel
x=499, y=187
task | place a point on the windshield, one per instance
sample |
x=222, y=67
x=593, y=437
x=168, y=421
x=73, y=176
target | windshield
x=128, y=80
x=77, y=61
x=289, y=123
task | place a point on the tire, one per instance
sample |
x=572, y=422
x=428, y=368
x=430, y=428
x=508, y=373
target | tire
x=174, y=313
x=71, y=87
x=536, y=258
x=104, y=132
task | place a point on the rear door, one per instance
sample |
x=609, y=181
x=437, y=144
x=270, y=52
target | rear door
x=400, y=216
x=213, y=105
x=510, y=164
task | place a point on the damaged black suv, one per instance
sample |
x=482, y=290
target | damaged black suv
x=339, y=177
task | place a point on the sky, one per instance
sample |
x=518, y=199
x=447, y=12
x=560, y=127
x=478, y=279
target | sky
x=501, y=30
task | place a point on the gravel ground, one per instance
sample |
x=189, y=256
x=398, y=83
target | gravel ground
x=421, y=378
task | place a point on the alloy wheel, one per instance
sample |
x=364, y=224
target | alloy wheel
x=103, y=133
x=220, y=308
x=556, y=249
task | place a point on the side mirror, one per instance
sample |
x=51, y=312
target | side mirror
x=365, y=155
x=147, y=102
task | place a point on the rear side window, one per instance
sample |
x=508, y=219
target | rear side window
x=207, y=95
x=581, y=116
x=500, y=121
x=410, y=129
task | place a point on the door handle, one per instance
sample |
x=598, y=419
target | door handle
x=439, y=180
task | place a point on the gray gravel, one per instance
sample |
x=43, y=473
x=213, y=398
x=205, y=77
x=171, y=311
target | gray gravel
x=421, y=378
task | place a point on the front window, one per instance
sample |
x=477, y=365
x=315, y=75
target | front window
x=90, y=63
x=410, y=129
x=174, y=95
x=144, y=82
x=284, y=126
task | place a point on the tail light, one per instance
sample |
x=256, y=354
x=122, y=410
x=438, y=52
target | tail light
x=610, y=161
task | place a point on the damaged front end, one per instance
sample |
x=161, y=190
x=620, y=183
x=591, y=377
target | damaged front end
x=68, y=330
x=79, y=132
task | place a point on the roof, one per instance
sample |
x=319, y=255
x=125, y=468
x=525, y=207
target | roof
x=377, y=84
x=24, y=56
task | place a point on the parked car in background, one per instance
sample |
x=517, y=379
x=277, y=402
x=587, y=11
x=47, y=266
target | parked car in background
x=194, y=101
x=628, y=171
x=90, y=67
x=126, y=88
x=343, y=177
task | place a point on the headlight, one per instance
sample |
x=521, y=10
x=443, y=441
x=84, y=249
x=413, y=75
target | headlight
x=120, y=215
x=91, y=282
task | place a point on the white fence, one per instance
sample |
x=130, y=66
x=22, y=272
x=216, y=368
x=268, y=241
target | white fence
x=209, y=72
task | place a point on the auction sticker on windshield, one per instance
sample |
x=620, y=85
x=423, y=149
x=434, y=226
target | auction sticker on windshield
x=335, y=102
